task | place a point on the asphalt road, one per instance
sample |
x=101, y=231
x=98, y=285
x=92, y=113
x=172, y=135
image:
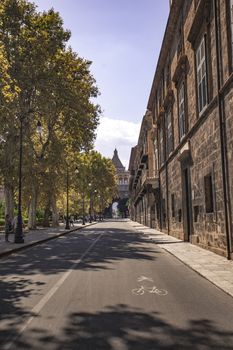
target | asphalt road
x=108, y=288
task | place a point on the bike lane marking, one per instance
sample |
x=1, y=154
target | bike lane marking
x=39, y=306
x=152, y=290
x=148, y=289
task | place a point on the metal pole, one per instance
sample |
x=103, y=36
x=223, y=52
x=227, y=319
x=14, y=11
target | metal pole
x=90, y=220
x=67, y=200
x=19, y=226
x=83, y=210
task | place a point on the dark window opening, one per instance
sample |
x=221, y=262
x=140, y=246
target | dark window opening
x=196, y=212
x=173, y=205
x=209, y=198
x=179, y=215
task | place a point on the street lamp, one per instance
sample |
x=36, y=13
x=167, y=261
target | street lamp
x=93, y=204
x=90, y=212
x=100, y=209
x=67, y=198
x=83, y=200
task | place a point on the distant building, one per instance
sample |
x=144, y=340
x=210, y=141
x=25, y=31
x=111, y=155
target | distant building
x=122, y=177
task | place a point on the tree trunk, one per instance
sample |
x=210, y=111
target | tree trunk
x=55, y=216
x=32, y=209
x=46, y=215
x=9, y=200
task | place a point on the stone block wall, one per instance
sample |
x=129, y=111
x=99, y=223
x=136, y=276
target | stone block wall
x=175, y=189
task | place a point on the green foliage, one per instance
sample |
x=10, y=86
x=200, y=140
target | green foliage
x=2, y=210
x=123, y=205
x=42, y=79
x=93, y=177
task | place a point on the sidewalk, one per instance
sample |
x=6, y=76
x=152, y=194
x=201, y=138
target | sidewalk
x=215, y=268
x=34, y=237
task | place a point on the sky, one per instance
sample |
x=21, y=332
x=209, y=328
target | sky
x=122, y=38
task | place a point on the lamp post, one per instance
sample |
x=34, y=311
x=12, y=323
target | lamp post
x=90, y=219
x=83, y=210
x=83, y=200
x=67, y=198
x=19, y=225
x=100, y=209
x=93, y=204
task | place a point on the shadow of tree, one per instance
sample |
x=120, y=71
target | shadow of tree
x=11, y=312
x=123, y=328
x=58, y=256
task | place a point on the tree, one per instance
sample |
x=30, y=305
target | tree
x=97, y=178
x=43, y=80
x=122, y=206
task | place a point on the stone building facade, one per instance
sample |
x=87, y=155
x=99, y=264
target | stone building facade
x=191, y=129
x=143, y=184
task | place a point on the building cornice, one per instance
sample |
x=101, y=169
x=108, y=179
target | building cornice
x=166, y=45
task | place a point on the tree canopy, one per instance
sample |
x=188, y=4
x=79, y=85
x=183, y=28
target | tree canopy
x=43, y=81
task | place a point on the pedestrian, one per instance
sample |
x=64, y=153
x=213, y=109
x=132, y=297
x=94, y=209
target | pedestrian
x=72, y=221
x=8, y=227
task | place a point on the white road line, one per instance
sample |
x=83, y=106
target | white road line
x=38, y=307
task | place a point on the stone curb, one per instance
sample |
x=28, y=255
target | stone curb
x=32, y=244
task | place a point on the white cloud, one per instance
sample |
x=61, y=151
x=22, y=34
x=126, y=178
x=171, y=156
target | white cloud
x=115, y=133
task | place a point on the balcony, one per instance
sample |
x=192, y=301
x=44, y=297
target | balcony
x=144, y=158
x=169, y=99
x=161, y=113
x=145, y=175
x=136, y=177
x=181, y=69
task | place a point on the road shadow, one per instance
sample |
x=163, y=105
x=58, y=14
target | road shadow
x=11, y=311
x=124, y=328
x=56, y=256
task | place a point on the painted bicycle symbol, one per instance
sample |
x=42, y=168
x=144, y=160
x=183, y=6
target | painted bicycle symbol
x=152, y=290
x=148, y=289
